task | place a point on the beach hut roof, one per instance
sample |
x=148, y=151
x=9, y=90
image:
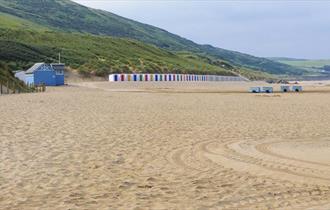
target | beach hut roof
x=34, y=68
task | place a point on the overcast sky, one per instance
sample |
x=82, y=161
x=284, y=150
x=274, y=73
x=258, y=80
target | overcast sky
x=299, y=29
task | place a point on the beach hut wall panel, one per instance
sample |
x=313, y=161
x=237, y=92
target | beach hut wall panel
x=44, y=74
x=255, y=89
x=122, y=77
x=44, y=77
x=267, y=89
x=135, y=77
x=111, y=78
x=285, y=88
x=59, y=79
x=297, y=88
x=29, y=79
x=59, y=72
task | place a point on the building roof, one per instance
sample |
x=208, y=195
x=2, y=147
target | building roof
x=34, y=68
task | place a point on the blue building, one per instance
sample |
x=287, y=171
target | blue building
x=42, y=73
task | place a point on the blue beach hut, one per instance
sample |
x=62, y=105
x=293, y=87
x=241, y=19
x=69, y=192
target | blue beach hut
x=47, y=74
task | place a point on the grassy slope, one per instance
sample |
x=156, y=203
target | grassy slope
x=9, y=21
x=8, y=79
x=98, y=54
x=306, y=63
x=68, y=16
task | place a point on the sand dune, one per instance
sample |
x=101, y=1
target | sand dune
x=165, y=146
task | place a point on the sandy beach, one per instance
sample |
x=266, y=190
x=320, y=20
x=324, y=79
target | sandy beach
x=100, y=145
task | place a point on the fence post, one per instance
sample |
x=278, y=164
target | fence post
x=7, y=87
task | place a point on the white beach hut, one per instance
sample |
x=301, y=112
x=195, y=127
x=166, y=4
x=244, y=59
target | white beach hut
x=297, y=88
x=267, y=89
x=255, y=90
x=285, y=88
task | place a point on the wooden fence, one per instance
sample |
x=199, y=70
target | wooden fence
x=12, y=86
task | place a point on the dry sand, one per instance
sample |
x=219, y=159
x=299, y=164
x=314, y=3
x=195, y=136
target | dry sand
x=165, y=146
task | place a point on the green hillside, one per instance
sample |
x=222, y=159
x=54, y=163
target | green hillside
x=67, y=16
x=304, y=63
x=9, y=21
x=99, y=55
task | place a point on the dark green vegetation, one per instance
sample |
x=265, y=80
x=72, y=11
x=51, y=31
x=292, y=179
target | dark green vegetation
x=35, y=30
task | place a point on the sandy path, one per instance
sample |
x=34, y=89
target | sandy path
x=172, y=146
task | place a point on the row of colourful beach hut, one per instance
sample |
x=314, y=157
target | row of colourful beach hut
x=170, y=77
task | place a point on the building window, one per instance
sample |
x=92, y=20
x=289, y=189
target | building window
x=59, y=72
